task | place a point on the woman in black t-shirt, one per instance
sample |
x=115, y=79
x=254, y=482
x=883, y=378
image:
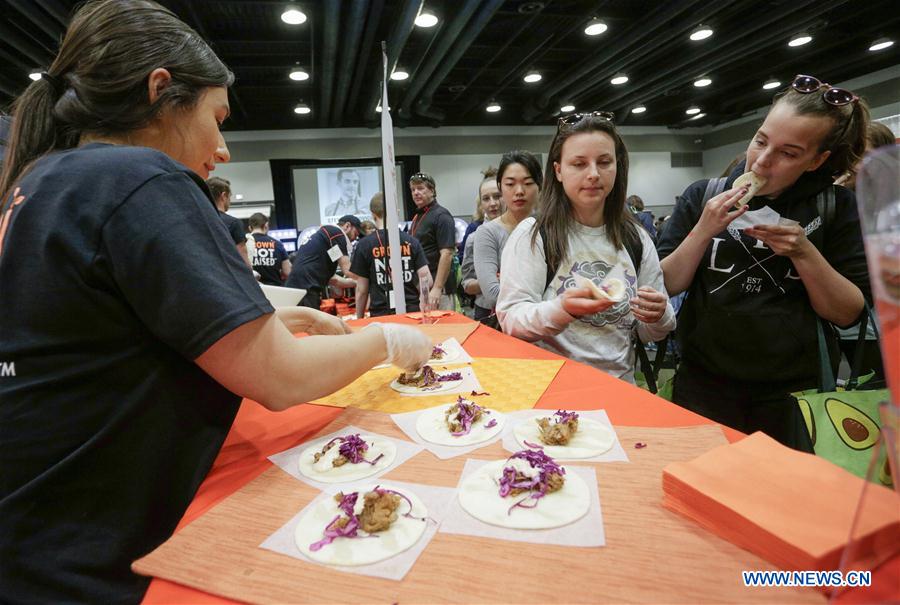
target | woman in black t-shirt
x=131, y=328
x=747, y=329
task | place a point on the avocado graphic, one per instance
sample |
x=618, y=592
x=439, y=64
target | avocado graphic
x=854, y=427
x=808, y=417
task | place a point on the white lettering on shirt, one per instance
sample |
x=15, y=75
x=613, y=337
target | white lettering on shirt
x=712, y=257
x=7, y=368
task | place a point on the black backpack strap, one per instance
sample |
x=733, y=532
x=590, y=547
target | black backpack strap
x=634, y=246
x=551, y=271
x=713, y=188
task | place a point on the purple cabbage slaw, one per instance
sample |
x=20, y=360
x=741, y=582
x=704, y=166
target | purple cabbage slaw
x=436, y=351
x=430, y=377
x=563, y=416
x=350, y=529
x=537, y=486
x=353, y=448
x=466, y=415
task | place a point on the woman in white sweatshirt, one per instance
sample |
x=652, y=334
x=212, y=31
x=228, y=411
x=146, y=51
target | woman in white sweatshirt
x=583, y=229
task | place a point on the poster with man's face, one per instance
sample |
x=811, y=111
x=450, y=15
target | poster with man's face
x=346, y=191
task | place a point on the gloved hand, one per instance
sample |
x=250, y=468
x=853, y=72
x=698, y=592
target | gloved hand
x=407, y=347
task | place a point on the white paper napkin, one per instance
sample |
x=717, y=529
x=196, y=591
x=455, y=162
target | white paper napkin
x=586, y=531
x=435, y=499
x=288, y=460
x=614, y=454
x=407, y=423
x=763, y=216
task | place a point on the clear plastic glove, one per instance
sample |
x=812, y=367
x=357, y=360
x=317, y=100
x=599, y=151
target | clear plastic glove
x=407, y=347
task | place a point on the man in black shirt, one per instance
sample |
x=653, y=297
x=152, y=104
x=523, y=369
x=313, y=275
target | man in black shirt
x=221, y=191
x=268, y=256
x=433, y=226
x=371, y=268
x=316, y=260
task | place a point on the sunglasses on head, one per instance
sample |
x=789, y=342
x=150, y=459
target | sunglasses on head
x=833, y=96
x=574, y=118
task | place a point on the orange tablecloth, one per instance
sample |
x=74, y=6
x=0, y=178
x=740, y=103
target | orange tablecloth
x=258, y=433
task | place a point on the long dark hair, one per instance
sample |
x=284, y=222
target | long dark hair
x=847, y=138
x=98, y=82
x=555, y=215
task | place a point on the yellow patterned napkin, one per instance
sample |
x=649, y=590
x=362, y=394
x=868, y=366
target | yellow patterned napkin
x=512, y=384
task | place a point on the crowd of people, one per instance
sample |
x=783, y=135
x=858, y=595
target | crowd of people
x=131, y=361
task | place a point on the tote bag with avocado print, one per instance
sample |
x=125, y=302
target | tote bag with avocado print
x=844, y=426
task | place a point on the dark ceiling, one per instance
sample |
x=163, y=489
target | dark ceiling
x=481, y=49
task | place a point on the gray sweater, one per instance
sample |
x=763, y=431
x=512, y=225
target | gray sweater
x=490, y=239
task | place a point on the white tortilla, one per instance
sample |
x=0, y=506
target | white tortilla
x=324, y=472
x=450, y=353
x=438, y=387
x=616, y=288
x=591, y=439
x=400, y=536
x=755, y=183
x=431, y=427
x=479, y=496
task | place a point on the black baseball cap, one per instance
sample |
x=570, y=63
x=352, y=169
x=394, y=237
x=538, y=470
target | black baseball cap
x=349, y=218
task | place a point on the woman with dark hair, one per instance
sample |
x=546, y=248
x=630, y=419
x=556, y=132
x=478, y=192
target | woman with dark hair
x=583, y=229
x=747, y=329
x=519, y=179
x=131, y=326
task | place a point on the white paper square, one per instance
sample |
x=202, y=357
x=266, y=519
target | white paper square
x=469, y=383
x=614, y=454
x=288, y=460
x=407, y=423
x=763, y=216
x=435, y=499
x=586, y=531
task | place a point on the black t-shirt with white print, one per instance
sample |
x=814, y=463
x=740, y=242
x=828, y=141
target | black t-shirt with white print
x=371, y=260
x=317, y=259
x=747, y=315
x=116, y=273
x=267, y=258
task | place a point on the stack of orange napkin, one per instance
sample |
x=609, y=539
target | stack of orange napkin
x=793, y=509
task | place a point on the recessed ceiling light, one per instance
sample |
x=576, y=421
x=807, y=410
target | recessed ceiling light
x=492, y=107
x=298, y=75
x=701, y=32
x=693, y=110
x=35, y=75
x=800, y=39
x=619, y=78
x=426, y=18
x=638, y=109
x=881, y=44
x=378, y=108
x=238, y=196
x=399, y=74
x=595, y=28
x=770, y=84
x=702, y=81
x=567, y=108
x=698, y=116
x=532, y=77
x=292, y=16
x=302, y=109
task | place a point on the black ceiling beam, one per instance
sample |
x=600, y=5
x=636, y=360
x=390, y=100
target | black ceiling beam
x=330, y=17
x=448, y=37
x=423, y=104
x=39, y=56
x=767, y=31
x=634, y=34
x=365, y=55
x=52, y=28
x=403, y=27
x=10, y=88
x=354, y=28
x=57, y=10
x=201, y=29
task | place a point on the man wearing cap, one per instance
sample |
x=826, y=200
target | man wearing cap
x=317, y=259
x=433, y=226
